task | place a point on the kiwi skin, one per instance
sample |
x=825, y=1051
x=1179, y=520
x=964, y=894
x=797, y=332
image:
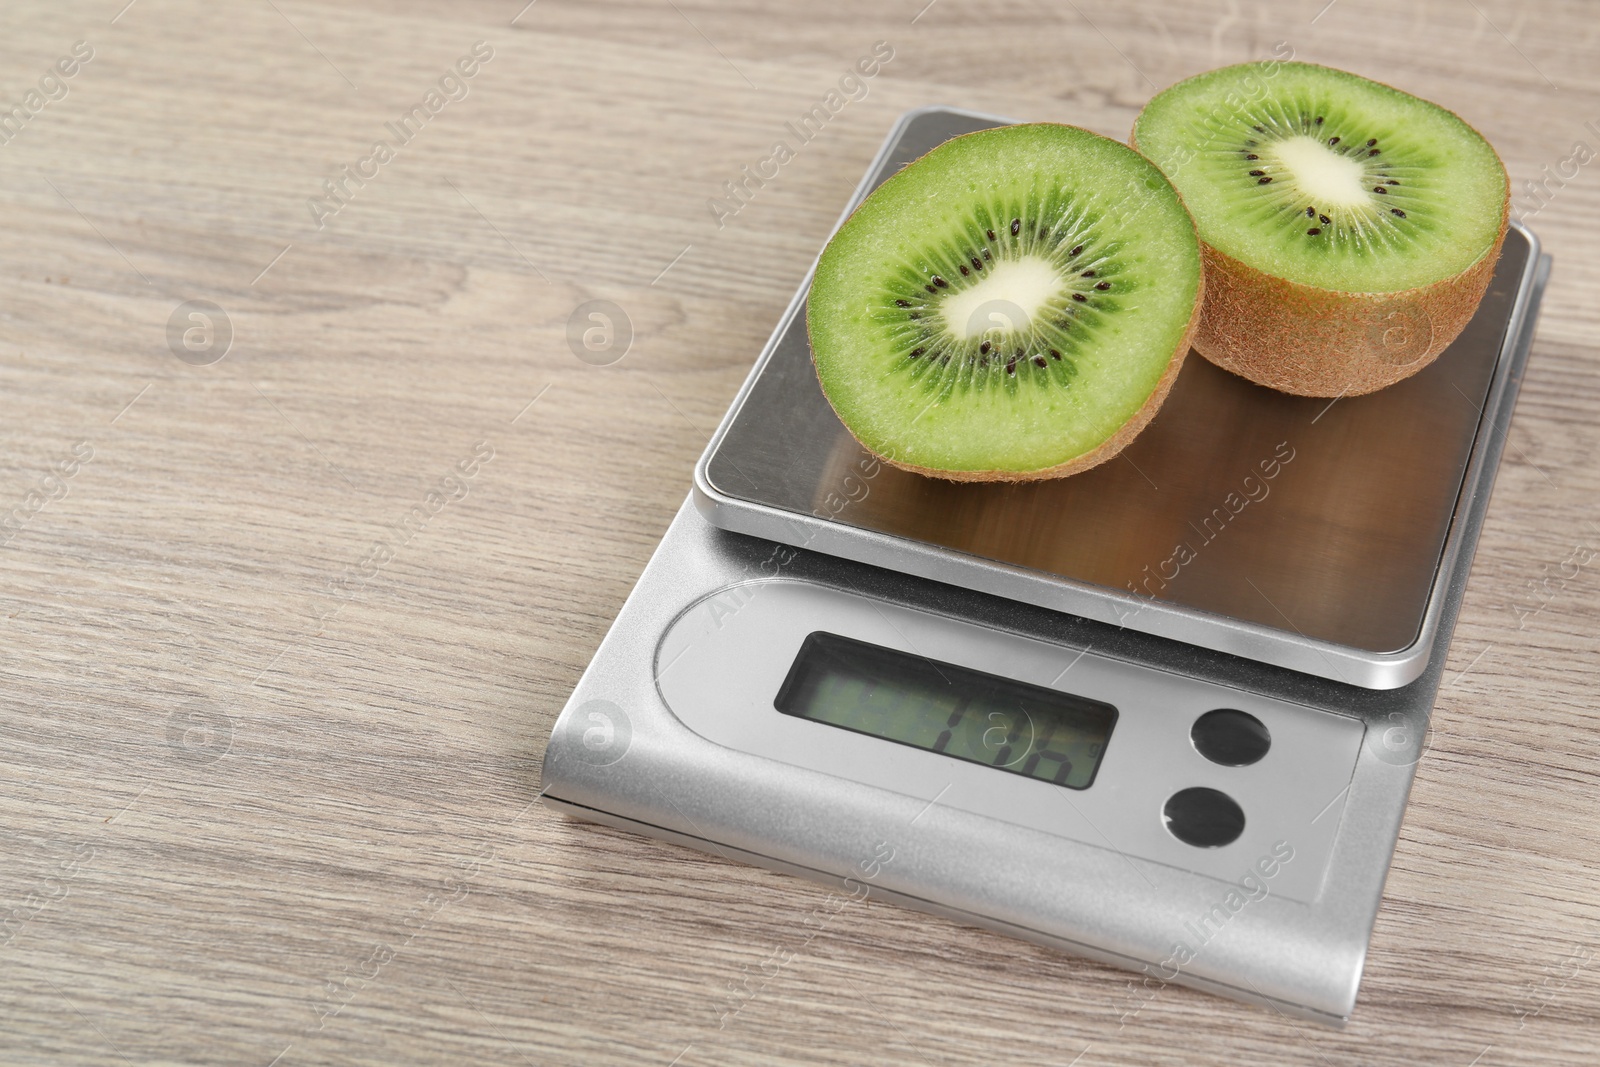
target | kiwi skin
x=1107, y=448
x=1308, y=341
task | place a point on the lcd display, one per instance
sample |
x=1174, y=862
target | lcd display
x=955, y=711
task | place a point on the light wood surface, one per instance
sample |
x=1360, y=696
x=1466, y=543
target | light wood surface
x=240, y=826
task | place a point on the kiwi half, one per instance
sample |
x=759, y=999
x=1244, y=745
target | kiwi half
x=1349, y=229
x=1013, y=305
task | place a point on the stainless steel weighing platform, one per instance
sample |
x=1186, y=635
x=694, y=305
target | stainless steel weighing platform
x=1163, y=714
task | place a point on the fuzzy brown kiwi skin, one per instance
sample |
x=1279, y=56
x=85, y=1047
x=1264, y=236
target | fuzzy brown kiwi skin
x=1100, y=453
x=1107, y=448
x=1309, y=341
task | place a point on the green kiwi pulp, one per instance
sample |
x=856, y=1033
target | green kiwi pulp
x=1325, y=178
x=1004, y=306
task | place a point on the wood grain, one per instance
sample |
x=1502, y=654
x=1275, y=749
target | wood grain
x=240, y=826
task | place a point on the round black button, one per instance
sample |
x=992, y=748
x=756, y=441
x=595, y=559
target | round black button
x=1231, y=738
x=1203, y=817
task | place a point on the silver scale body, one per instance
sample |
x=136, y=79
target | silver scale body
x=672, y=731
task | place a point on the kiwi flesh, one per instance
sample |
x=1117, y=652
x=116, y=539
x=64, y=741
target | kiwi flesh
x=1013, y=305
x=1348, y=229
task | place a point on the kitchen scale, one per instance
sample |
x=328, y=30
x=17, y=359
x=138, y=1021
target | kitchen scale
x=1163, y=714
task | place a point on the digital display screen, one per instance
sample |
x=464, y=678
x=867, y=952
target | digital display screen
x=982, y=718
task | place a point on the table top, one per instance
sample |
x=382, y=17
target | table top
x=313, y=515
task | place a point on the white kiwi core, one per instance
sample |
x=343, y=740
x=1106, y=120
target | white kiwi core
x=1330, y=180
x=1006, y=299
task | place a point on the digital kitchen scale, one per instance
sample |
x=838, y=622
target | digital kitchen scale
x=1163, y=714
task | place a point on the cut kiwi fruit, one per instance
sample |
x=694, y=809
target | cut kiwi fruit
x=1349, y=229
x=1013, y=305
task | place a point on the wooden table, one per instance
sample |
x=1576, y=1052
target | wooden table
x=285, y=631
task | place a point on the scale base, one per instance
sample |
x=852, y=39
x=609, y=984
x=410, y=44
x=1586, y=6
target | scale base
x=619, y=755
